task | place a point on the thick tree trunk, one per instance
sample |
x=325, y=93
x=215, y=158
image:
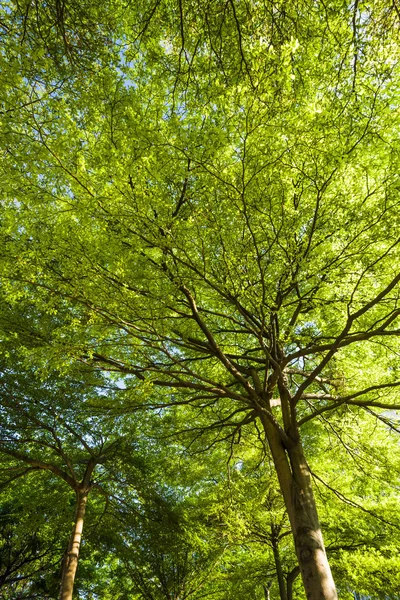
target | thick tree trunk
x=70, y=563
x=310, y=549
x=295, y=482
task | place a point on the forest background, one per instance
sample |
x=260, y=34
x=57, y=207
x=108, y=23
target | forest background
x=199, y=299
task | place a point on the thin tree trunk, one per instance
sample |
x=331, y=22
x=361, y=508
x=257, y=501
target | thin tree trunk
x=290, y=580
x=70, y=563
x=266, y=588
x=295, y=483
x=279, y=570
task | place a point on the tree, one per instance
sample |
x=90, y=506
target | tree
x=171, y=554
x=221, y=215
x=46, y=428
x=30, y=547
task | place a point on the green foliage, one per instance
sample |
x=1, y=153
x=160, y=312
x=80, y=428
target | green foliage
x=30, y=547
x=200, y=218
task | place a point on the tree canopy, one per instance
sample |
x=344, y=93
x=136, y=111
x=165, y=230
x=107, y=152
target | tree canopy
x=200, y=210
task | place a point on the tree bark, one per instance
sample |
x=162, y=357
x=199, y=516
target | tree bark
x=70, y=563
x=267, y=594
x=290, y=580
x=295, y=483
x=310, y=549
x=279, y=570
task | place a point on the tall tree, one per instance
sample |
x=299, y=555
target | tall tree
x=220, y=214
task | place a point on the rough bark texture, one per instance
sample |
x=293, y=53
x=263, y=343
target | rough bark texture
x=70, y=564
x=313, y=562
x=295, y=483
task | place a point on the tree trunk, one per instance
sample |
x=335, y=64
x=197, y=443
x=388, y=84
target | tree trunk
x=279, y=571
x=70, y=563
x=290, y=580
x=295, y=483
x=313, y=562
x=266, y=588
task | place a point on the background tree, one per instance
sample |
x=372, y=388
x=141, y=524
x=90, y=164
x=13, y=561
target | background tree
x=30, y=545
x=48, y=427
